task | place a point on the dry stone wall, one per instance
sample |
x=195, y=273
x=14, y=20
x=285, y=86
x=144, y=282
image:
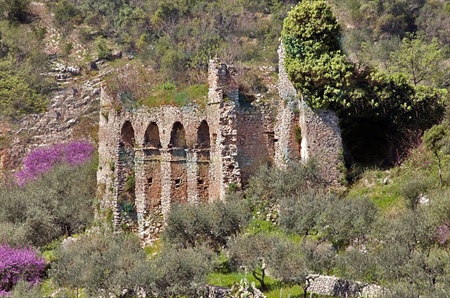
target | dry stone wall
x=337, y=287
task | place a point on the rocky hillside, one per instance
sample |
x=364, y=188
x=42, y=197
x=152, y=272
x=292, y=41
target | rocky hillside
x=72, y=111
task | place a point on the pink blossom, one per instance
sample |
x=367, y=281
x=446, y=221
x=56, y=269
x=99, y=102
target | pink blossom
x=41, y=160
x=19, y=264
x=443, y=233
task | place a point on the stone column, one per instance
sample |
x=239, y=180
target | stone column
x=191, y=169
x=165, y=181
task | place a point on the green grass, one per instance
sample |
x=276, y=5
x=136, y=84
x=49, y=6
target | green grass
x=155, y=248
x=169, y=94
x=384, y=188
x=276, y=288
x=386, y=196
x=228, y=279
x=260, y=226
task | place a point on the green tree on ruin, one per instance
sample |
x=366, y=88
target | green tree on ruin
x=314, y=62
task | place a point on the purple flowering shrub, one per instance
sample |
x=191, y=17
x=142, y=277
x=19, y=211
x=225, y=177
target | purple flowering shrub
x=443, y=233
x=41, y=160
x=19, y=264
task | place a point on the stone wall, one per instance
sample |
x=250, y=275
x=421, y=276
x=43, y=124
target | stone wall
x=152, y=158
x=255, y=139
x=336, y=287
x=313, y=133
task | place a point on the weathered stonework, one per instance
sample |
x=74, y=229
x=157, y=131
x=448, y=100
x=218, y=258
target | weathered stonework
x=303, y=133
x=337, y=287
x=152, y=158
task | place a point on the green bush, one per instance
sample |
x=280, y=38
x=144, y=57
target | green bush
x=103, y=51
x=270, y=186
x=101, y=264
x=210, y=224
x=15, y=10
x=59, y=203
x=178, y=273
x=17, y=96
x=301, y=214
x=346, y=220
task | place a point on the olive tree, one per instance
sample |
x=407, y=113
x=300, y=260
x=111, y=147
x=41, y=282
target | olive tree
x=100, y=264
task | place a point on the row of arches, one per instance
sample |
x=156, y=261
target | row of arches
x=154, y=159
x=177, y=136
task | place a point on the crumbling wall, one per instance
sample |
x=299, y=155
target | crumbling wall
x=255, y=139
x=302, y=133
x=195, y=154
x=286, y=145
x=174, y=154
x=337, y=287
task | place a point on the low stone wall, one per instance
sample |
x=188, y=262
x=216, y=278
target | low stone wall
x=337, y=287
x=221, y=292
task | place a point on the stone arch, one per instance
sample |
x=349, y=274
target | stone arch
x=126, y=202
x=178, y=136
x=151, y=137
x=203, y=161
x=127, y=134
x=178, y=168
x=203, y=140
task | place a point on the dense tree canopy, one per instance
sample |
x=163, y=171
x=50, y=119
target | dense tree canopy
x=314, y=62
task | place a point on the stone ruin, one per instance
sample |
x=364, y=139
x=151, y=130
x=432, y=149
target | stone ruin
x=152, y=158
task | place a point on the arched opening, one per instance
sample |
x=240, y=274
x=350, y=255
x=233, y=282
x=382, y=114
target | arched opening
x=178, y=136
x=178, y=164
x=126, y=202
x=151, y=137
x=203, y=140
x=203, y=159
x=127, y=134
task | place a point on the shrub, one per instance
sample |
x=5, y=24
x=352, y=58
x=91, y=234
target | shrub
x=16, y=10
x=102, y=264
x=348, y=219
x=209, y=224
x=270, y=186
x=175, y=273
x=57, y=204
x=413, y=190
x=23, y=289
x=103, y=51
x=41, y=160
x=252, y=252
x=15, y=234
x=17, y=95
x=301, y=214
x=19, y=264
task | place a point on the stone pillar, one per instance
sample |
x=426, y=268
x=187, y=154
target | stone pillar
x=192, y=168
x=230, y=171
x=165, y=181
x=139, y=172
x=321, y=139
x=224, y=97
x=286, y=145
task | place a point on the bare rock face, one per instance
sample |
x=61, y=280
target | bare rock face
x=72, y=113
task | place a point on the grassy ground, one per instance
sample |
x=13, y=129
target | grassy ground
x=276, y=289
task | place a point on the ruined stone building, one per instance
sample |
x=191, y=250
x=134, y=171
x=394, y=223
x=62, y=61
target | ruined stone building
x=152, y=158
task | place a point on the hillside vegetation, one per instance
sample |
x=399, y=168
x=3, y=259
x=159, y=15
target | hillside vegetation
x=381, y=65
